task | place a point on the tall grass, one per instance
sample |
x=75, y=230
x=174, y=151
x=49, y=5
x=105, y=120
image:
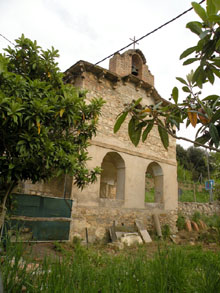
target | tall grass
x=188, y=196
x=85, y=270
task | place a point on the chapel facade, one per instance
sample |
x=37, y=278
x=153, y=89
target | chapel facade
x=120, y=192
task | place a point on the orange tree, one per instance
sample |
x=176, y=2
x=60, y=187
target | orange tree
x=195, y=110
x=45, y=124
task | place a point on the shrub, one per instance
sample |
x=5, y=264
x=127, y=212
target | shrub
x=181, y=221
x=166, y=231
x=196, y=217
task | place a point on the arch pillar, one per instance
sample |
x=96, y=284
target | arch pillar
x=135, y=182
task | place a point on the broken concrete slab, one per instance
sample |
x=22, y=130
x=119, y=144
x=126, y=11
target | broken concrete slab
x=119, y=234
x=131, y=239
x=143, y=232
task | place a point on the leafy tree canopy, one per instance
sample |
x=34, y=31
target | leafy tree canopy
x=204, y=112
x=45, y=124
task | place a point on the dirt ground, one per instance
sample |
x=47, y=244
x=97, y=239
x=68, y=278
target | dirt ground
x=208, y=240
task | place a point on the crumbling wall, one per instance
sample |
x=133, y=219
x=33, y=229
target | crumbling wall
x=187, y=209
x=99, y=220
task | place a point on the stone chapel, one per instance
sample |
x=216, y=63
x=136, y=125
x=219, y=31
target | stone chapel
x=119, y=194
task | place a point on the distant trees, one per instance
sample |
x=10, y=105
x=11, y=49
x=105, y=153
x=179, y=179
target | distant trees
x=195, y=160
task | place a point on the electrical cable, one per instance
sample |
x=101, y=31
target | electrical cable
x=153, y=31
x=134, y=42
x=7, y=39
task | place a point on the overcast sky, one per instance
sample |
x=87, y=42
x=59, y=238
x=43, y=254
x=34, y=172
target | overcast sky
x=93, y=29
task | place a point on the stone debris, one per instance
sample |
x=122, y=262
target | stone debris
x=116, y=245
x=131, y=239
x=119, y=234
x=173, y=239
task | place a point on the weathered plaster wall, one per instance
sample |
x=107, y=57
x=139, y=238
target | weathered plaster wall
x=57, y=187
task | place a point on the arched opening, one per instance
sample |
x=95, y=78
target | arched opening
x=136, y=67
x=154, y=183
x=112, y=184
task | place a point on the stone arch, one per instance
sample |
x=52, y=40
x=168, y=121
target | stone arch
x=112, y=181
x=155, y=173
x=136, y=65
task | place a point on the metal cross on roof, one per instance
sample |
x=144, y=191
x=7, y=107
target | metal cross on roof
x=134, y=42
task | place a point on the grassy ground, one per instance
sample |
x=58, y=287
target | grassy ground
x=186, y=196
x=191, y=264
x=78, y=269
x=149, y=195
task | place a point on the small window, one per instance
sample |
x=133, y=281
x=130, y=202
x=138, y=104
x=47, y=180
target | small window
x=136, y=67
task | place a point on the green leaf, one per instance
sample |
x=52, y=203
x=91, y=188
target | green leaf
x=147, y=131
x=217, y=45
x=204, y=34
x=203, y=139
x=186, y=89
x=137, y=102
x=211, y=9
x=214, y=18
x=175, y=94
x=182, y=80
x=3, y=64
x=195, y=27
x=198, y=76
x=11, y=166
x=200, y=11
x=211, y=97
x=163, y=136
x=216, y=117
x=217, y=63
x=214, y=134
x=190, y=60
x=190, y=76
x=210, y=75
x=134, y=131
x=216, y=72
x=217, y=4
x=188, y=52
x=119, y=121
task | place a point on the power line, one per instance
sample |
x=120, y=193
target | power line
x=135, y=41
x=153, y=31
x=7, y=39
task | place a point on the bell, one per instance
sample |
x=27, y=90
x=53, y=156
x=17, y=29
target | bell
x=134, y=70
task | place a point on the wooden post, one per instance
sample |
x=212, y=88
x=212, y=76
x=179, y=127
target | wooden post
x=87, y=237
x=157, y=225
x=194, y=191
